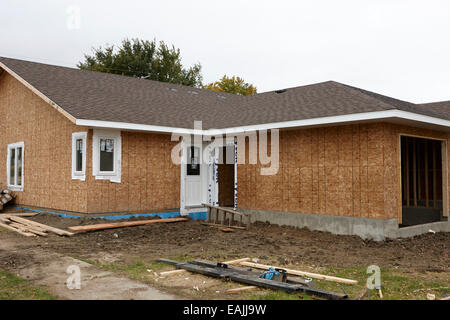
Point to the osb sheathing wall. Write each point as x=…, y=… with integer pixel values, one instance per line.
x=150, y=181
x=347, y=170
x=47, y=136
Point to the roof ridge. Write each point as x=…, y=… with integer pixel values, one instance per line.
x=290, y=88
x=107, y=74
x=372, y=95
x=435, y=102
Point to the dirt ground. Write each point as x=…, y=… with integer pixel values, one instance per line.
x=271, y=244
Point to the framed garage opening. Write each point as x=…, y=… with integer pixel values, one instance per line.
x=423, y=180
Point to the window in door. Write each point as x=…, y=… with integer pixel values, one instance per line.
x=193, y=159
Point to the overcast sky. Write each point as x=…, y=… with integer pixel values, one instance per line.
x=400, y=48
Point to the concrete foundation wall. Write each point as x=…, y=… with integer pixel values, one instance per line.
x=366, y=228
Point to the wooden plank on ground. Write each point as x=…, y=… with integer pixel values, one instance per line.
x=43, y=226
x=4, y=220
x=300, y=273
x=236, y=261
x=26, y=234
x=20, y=214
x=113, y=225
x=239, y=290
x=171, y=272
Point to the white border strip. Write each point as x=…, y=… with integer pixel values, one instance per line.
x=376, y=115
x=132, y=126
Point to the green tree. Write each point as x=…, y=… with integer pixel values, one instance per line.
x=233, y=85
x=143, y=59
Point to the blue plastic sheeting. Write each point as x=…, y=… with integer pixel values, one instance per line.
x=162, y=215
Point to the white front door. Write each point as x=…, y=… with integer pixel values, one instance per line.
x=198, y=178
x=193, y=178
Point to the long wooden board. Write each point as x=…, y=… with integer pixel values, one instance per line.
x=300, y=273
x=113, y=225
x=20, y=214
x=240, y=289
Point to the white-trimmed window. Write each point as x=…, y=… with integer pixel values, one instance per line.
x=107, y=155
x=14, y=166
x=79, y=155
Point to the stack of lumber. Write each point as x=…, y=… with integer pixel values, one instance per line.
x=6, y=196
x=29, y=228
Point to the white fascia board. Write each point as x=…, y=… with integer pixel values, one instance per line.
x=376, y=115
x=132, y=126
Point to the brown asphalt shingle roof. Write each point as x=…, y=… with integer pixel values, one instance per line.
x=100, y=96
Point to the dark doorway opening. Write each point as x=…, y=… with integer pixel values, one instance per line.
x=226, y=177
x=421, y=165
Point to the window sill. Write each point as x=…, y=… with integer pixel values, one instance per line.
x=15, y=188
x=110, y=178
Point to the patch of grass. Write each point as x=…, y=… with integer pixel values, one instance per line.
x=136, y=270
x=278, y=295
x=13, y=287
x=84, y=260
x=395, y=285
x=181, y=258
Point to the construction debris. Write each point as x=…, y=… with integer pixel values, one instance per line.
x=103, y=226
x=26, y=234
x=6, y=196
x=300, y=273
x=236, y=261
x=29, y=228
x=213, y=213
x=240, y=275
x=178, y=271
x=240, y=289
